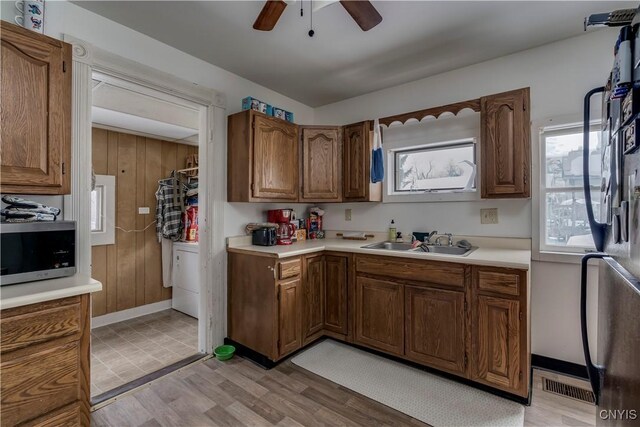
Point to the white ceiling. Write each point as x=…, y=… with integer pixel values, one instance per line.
x=416, y=39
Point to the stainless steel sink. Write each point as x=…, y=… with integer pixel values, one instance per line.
x=434, y=249
x=448, y=250
x=390, y=246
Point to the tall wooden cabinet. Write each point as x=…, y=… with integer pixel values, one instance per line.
x=500, y=355
x=35, y=112
x=262, y=158
x=321, y=164
x=505, y=145
x=356, y=175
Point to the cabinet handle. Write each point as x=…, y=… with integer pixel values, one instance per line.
x=273, y=270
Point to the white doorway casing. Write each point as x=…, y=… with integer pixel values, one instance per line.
x=212, y=152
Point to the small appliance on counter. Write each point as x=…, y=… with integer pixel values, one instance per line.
x=264, y=236
x=286, y=230
x=41, y=250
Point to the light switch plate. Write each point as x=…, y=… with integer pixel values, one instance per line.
x=489, y=216
x=347, y=214
x=144, y=211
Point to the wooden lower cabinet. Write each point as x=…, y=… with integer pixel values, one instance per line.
x=289, y=328
x=336, y=294
x=313, y=282
x=379, y=306
x=45, y=363
x=435, y=328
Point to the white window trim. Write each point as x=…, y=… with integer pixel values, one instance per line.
x=106, y=236
x=389, y=194
x=539, y=251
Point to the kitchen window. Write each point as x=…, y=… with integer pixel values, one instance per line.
x=439, y=167
x=564, y=226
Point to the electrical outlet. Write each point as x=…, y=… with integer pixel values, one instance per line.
x=489, y=216
x=144, y=211
x=347, y=214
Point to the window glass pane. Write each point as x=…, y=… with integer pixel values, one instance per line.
x=96, y=208
x=564, y=160
x=437, y=168
x=566, y=217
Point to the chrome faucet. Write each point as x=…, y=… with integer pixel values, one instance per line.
x=449, y=236
x=428, y=237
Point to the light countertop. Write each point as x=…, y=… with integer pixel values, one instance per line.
x=502, y=252
x=46, y=290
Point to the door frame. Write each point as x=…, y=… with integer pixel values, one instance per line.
x=88, y=59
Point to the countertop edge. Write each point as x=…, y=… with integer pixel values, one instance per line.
x=90, y=286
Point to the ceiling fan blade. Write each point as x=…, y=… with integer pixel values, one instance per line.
x=363, y=12
x=269, y=15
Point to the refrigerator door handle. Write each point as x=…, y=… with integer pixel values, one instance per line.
x=598, y=229
x=595, y=372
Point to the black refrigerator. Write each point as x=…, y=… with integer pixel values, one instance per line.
x=614, y=216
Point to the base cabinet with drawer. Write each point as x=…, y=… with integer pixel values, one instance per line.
x=45, y=363
x=469, y=321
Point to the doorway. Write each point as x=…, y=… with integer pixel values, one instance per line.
x=145, y=235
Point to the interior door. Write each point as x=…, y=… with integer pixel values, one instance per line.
x=275, y=159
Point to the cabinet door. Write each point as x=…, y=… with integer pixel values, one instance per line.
x=335, y=300
x=275, y=159
x=380, y=315
x=496, y=358
x=289, y=324
x=313, y=292
x=35, y=110
x=321, y=164
x=435, y=327
x=356, y=162
x=505, y=145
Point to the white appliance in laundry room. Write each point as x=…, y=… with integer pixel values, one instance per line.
x=186, y=278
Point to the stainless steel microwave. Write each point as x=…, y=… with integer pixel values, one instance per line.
x=37, y=251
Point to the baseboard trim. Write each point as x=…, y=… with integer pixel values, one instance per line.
x=559, y=366
x=130, y=313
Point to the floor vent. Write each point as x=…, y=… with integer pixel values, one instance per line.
x=570, y=391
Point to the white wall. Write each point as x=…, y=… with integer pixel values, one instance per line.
x=62, y=17
x=559, y=75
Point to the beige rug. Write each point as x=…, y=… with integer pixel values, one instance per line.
x=429, y=398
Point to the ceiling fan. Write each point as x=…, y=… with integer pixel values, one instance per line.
x=362, y=11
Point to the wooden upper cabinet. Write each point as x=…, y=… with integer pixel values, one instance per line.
x=435, y=327
x=275, y=159
x=321, y=164
x=262, y=158
x=505, y=145
x=35, y=111
x=356, y=175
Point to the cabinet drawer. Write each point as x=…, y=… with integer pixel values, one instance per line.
x=38, y=323
x=41, y=382
x=290, y=268
x=420, y=271
x=503, y=282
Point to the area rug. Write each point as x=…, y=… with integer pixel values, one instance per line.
x=429, y=398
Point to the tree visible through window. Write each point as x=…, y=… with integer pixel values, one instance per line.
x=565, y=225
x=439, y=167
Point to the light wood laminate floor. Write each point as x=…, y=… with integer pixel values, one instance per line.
x=124, y=351
x=237, y=392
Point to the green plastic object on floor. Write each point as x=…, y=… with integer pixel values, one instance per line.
x=224, y=352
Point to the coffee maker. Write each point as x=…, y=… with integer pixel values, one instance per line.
x=286, y=229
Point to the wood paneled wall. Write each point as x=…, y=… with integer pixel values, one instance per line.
x=131, y=269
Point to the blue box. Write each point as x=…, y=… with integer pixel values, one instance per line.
x=279, y=113
x=288, y=116
x=250, y=103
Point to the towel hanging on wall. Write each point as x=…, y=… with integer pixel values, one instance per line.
x=377, y=158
